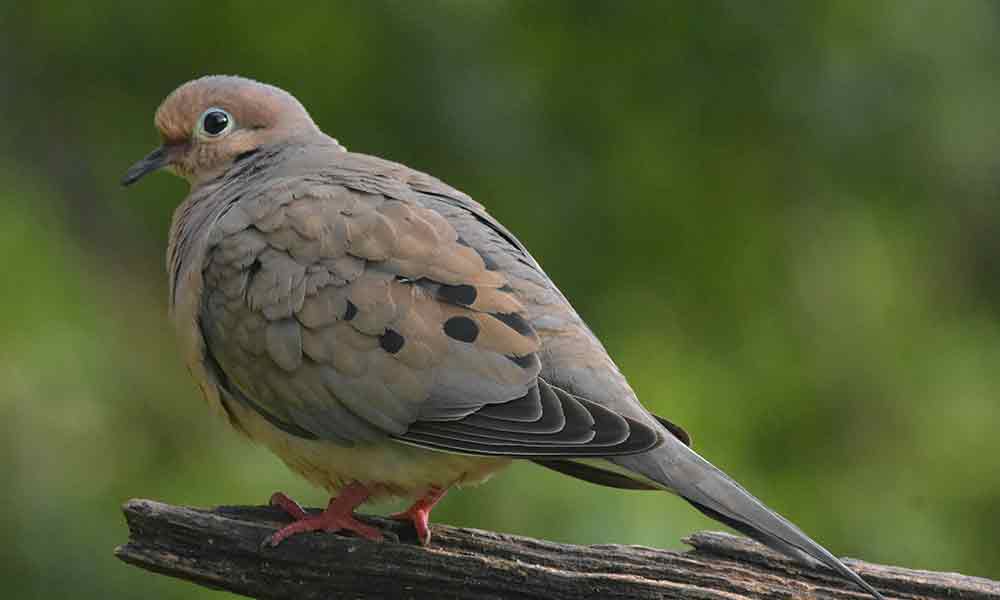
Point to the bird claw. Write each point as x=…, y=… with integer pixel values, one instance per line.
x=419, y=514
x=420, y=519
x=338, y=517
x=325, y=522
x=291, y=507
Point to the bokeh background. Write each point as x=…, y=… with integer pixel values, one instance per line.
x=781, y=218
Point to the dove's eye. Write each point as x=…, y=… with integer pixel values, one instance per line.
x=215, y=122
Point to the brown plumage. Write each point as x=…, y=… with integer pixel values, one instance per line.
x=384, y=335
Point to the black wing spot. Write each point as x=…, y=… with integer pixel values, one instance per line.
x=464, y=295
x=462, y=329
x=254, y=268
x=515, y=322
x=488, y=262
x=351, y=311
x=391, y=341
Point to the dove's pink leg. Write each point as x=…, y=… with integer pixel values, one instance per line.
x=420, y=513
x=338, y=516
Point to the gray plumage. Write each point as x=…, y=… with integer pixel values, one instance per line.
x=365, y=321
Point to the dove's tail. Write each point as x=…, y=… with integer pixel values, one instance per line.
x=681, y=470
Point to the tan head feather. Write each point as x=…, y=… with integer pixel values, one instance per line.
x=207, y=123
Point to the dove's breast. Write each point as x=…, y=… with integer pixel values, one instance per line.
x=186, y=250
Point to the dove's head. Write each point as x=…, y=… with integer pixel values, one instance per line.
x=209, y=123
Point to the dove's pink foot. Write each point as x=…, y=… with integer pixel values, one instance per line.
x=420, y=513
x=338, y=516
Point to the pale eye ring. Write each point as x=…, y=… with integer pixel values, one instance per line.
x=215, y=122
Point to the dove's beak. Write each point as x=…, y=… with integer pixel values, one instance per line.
x=155, y=160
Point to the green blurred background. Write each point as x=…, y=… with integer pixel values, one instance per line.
x=782, y=219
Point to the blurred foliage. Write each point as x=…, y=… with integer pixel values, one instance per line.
x=781, y=218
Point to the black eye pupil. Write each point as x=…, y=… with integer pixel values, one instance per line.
x=215, y=122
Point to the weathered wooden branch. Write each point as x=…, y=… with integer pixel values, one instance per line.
x=221, y=548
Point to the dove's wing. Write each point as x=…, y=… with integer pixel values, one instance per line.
x=344, y=308
x=575, y=360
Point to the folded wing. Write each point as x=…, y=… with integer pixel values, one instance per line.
x=349, y=313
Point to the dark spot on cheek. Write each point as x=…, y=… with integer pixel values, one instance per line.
x=464, y=295
x=351, y=311
x=462, y=329
x=515, y=322
x=391, y=341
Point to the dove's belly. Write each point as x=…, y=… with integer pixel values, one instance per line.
x=386, y=469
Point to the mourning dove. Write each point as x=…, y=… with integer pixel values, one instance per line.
x=385, y=336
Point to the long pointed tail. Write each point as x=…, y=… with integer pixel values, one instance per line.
x=681, y=470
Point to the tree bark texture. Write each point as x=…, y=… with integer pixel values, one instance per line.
x=221, y=548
